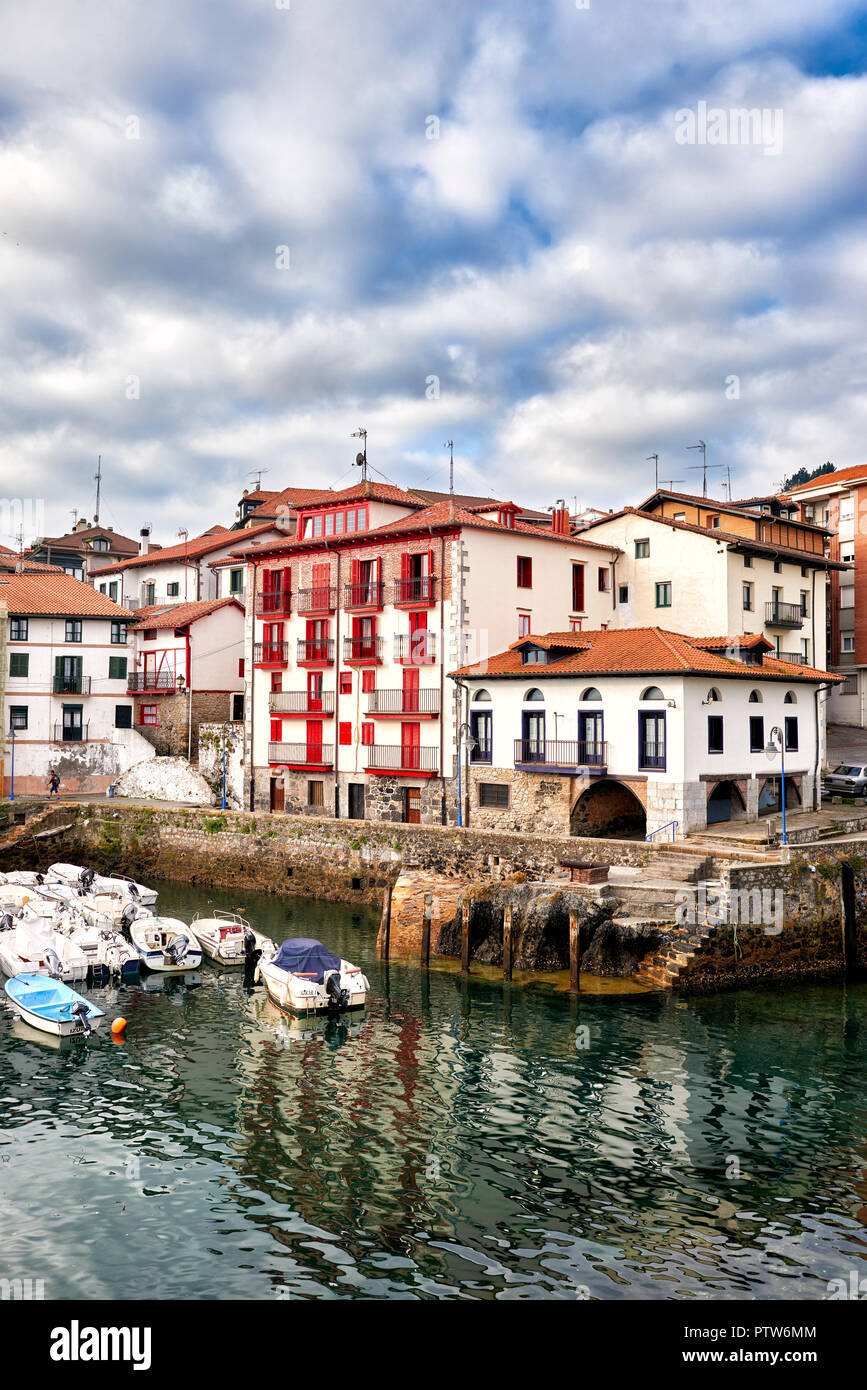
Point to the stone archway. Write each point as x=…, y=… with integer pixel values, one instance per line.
x=609, y=809
x=769, y=795
x=725, y=803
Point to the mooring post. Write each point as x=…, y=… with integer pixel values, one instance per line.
x=574, y=985
x=425, y=930
x=507, y=942
x=847, y=896
x=465, y=939
x=385, y=926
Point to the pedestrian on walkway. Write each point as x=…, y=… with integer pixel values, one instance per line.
x=53, y=784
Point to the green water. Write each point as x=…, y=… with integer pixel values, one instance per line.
x=455, y=1141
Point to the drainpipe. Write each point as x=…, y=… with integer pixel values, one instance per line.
x=336, y=685
x=443, y=801
x=817, y=792
x=251, y=598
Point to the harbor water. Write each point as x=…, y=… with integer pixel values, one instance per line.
x=458, y=1139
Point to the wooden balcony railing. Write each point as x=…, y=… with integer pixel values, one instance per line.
x=384, y=757
x=572, y=755
x=403, y=702
x=302, y=754
x=290, y=702
x=270, y=653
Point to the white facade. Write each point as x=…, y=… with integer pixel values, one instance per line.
x=174, y=575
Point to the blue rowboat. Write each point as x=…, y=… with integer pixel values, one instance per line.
x=52, y=1007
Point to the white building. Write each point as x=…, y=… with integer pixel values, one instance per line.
x=354, y=624
x=67, y=707
x=624, y=732
x=181, y=573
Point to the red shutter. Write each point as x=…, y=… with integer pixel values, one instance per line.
x=345, y=735
x=368, y=681
x=367, y=734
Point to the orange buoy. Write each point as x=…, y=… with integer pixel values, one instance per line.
x=118, y=1025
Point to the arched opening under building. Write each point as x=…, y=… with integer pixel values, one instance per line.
x=725, y=803
x=609, y=809
x=769, y=796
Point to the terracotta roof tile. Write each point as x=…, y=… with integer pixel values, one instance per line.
x=730, y=537
x=841, y=475
x=47, y=594
x=193, y=549
x=172, y=615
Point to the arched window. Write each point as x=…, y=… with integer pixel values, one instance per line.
x=755, y=697
x=791, y=698
x=482, y=697
x=652, y=692
x=533, y=694
x=713, y=695
x=591, y=693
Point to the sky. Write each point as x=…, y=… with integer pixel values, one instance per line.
x=233, y=232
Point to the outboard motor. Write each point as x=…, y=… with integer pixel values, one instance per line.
x=251, y=956
x=85, y=880
x=6, y=922
x=52, y=960
x=40, y=879
x=128, y=915
x=178, y=948
x=80, y=1012
x=338, y=998
x=133, y=890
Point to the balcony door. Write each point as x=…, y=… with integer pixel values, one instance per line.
x=591, y=735
x=410, y=742
x=321, y=594
x=314, y=692
x=533, y=735
x=67, y=675
x=314, y=740
x=410, y=692
x=418, y=636
x=73, y=727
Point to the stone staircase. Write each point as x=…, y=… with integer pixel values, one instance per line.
x=680, y=945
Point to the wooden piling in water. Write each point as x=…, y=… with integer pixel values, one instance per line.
x=507, y=942
x=385, y=926
x=574, y=985
x=425, y=930
x=465, y=939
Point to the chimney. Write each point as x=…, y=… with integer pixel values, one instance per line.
x=560, y=521
x=144, y=544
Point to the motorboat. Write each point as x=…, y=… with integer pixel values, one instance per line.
x=30, y=944
x=92, y=882
x=228, y=939
x=52, y=1007
x=108, y=952
x=165, y=943
x=306, y=978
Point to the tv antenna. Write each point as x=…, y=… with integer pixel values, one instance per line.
x=98, y=477
x=450, y=445
x=257, y=474
x=655, y=458
x=704, y=465
x=361, y=459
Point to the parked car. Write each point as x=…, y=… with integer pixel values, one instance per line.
x=848, y=778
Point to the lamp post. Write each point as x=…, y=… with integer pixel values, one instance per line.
x=776, y=744
x=465, y=740
x=12, y=769
x=225, y=735
x=184, y=689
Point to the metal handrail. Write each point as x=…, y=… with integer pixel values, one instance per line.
x=672, y=824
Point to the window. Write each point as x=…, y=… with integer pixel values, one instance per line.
x=714, y=733
x=482, y=731
x=118, y=634
x=18, y=629
x=367, y=734
x=803, y=571
x=623, y=593
x=848, y=645
x=591, y=694
x=713, y=522
x=236, y=584
x=100, y=543
x=345, y=733
x=346, y=682
x=237, y=707
x=778, y=568
x=240, y=668
x=757, y=734
x=494, y=794
x=663, y=594
x=19, y=663
x=847, y=508
x=148, y=715
x=18, y=716
x=112, y=590
x=315, y=793
x=680, y=516
x=748, y=598
x=482, y=697
x=525, y=572
x=123, y=716
x=748, y=562
x=604, y=579
x=577, y=588
x=72, y=727
x=652, y=692
x=117, y=668
x=173, y=590
x=73, y=629
x=755, y=697
x=651, y=739
x=575, y=624
x=805, y=599
x=149, y=634
x=642, y=549
x=790, y=698
x=534, y=656
x=523, y=624
x=713, y=695
x=368, y=682
x=849, y=686
x=103, y=588
x=533, y=696
x=791, y=725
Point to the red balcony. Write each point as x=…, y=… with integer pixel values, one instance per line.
x=276, y=603
x=317, y=651
x=319, y=600
x=270, y=654
x=300, y=704
x=363, y=595
x=362, y=651
x=301, y=755
x=404, y=704
x=402, y=760
x=415, y=648
x=419, y=592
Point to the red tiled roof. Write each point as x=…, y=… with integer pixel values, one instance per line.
x=767, y=547
x=625, y=651
x=53, y=592
x=733, y=508
x=841, y=475
x=193, y=550
x=164, y=615
x=744, y=639
x=374, y=492
x=75, y=540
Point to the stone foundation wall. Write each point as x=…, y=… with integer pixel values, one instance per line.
x=384, y=797
x=169, y=738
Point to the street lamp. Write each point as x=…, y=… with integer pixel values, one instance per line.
x=465, y=740
x=225, y=735
x=775, y=745
x=12, y=769
x=184, y=689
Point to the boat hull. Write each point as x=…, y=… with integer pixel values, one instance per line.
x=284, y=992
x=47, y=1006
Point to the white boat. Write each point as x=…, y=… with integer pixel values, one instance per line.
x=31, y=945
x=228, y=939
x=52, y=1006
x=165, y=943
x=108, y=952
x=92, y=882
x=306, y=978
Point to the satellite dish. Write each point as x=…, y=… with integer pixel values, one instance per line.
x=359, y=459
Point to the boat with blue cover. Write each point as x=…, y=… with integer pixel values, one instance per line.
x=52, y=1007
x=306, y=978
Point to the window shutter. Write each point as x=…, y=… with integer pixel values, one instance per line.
x=345, y=733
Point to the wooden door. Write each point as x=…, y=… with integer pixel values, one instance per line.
x=410, y=737
x=410, y=692
x=412, y=810
x=278, y=794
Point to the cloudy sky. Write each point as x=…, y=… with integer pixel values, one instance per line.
x=234, y=231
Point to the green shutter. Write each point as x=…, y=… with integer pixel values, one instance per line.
x=117, y=668
x=19, y=663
